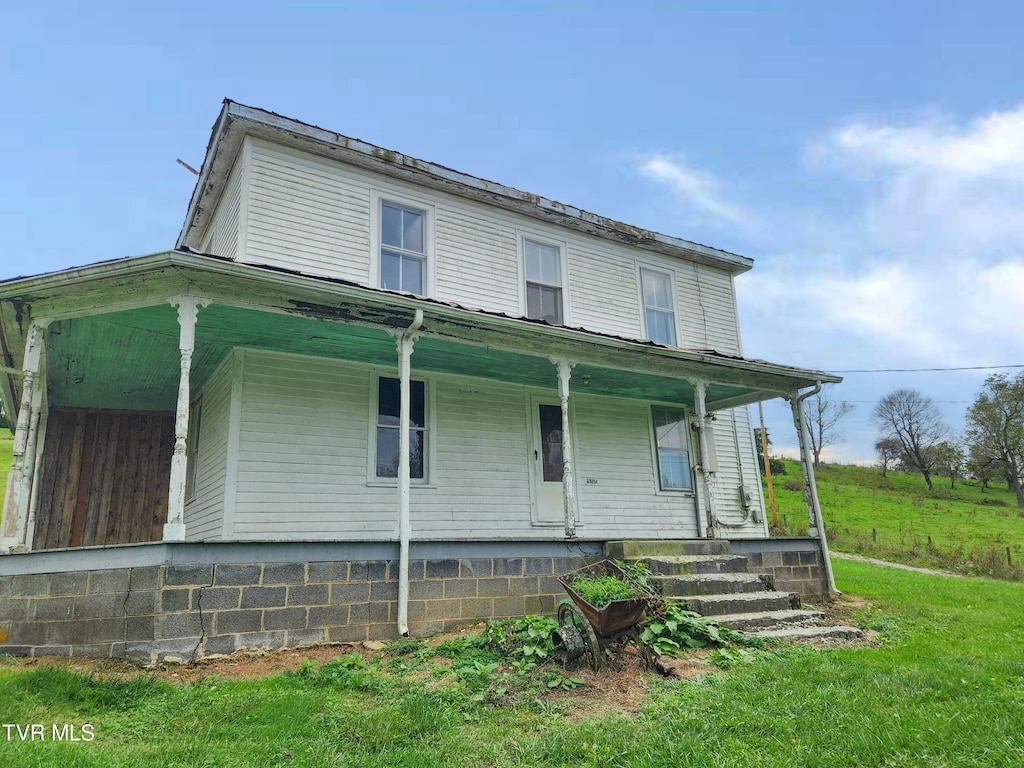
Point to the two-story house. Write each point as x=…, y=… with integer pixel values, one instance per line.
x=366, y=395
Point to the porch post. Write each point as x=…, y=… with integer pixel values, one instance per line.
x=816, y=524
x=404, y=341
x=188, y=311
x=707, y=472
x=568, y=483
x=19, y=480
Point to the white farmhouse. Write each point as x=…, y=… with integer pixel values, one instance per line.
x=366, y=395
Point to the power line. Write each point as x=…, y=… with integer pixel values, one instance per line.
x=924, y=370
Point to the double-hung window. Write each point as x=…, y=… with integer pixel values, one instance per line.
x=388, y=425
x=543, y=267
x=403, y=248
x=658, y=312
x=670, y=437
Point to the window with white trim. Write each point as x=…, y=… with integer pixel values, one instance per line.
x=673, y=451
x=542, y=264
x=403, y=248
x=389, y=423
x=659, y=315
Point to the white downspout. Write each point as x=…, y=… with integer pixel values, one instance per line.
x=810, y=486
x=405, y=342
x=706, y=471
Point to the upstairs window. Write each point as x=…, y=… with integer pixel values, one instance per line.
x=659, y=315
x=403, y=254
x=543, y=267
x=670, y=438
x=388, y=425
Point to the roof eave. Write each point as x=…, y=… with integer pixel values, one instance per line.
x=238, y=120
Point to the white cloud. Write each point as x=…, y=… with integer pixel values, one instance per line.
x=699, y=189
x=936, y=187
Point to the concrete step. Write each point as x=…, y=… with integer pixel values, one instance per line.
x=698, y=584
x=637, y=549
x=800, y=634
x=750, y=622
x=670, y=565
x=743, y=602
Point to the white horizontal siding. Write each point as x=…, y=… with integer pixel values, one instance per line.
x=223, y=236
x=313, y=215
x=304, y=438
x=616, y=474
x=306, y=214
x=204, y=513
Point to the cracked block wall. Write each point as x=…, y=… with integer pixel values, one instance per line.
x=191, y=611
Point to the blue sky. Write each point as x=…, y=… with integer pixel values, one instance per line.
x=868, y=155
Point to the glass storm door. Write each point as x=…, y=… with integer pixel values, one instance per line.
x=547, y=459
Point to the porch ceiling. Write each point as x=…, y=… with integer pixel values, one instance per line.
x=108, y=351
x=129, y=360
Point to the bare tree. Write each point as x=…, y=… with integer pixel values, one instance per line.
x=995, y=430
x=823, y=415
x=910, y=417
x=889, y=452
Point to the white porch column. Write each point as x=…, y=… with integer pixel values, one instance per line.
x=404, y=341
x=14, y=533
x=188, y=311
x=815, y=522
x=568, y=483
x=707, y=472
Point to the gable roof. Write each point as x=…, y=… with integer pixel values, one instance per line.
x=236, y=121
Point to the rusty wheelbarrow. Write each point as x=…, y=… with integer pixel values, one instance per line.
x=585, y=631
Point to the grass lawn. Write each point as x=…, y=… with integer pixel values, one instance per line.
x=898, y=518
x=944, y=687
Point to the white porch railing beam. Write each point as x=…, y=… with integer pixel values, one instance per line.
x=188, y=312
x=568, y=481
x=14, y=534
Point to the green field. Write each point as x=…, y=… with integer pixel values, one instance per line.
x=943, y=686
x=6, y=449
x=897, y=518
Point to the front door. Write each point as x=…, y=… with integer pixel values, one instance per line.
x=547, y=460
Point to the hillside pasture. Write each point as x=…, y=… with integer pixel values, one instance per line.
x=896, y=517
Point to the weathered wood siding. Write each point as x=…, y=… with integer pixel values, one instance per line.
x=223, y=238
x=104, y=478
x=204, y=512
x=303, y=460
x=313, y=215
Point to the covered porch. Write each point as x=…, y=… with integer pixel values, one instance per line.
x=103, y=365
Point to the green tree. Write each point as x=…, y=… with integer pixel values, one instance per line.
x=950, y=460
x=995, y=429
x=910, y=417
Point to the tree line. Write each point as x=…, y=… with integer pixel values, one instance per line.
x=913, y=436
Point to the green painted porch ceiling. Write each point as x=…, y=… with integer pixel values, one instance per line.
x=129, y=360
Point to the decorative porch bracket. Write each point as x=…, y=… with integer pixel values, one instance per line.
x=14, y=535
x=404, y=342
x=815, y=522
x=568, y=483
x=188, y=311
x=707, y=472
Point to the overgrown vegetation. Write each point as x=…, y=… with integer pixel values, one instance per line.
x=942, y=686
x=966, y=529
